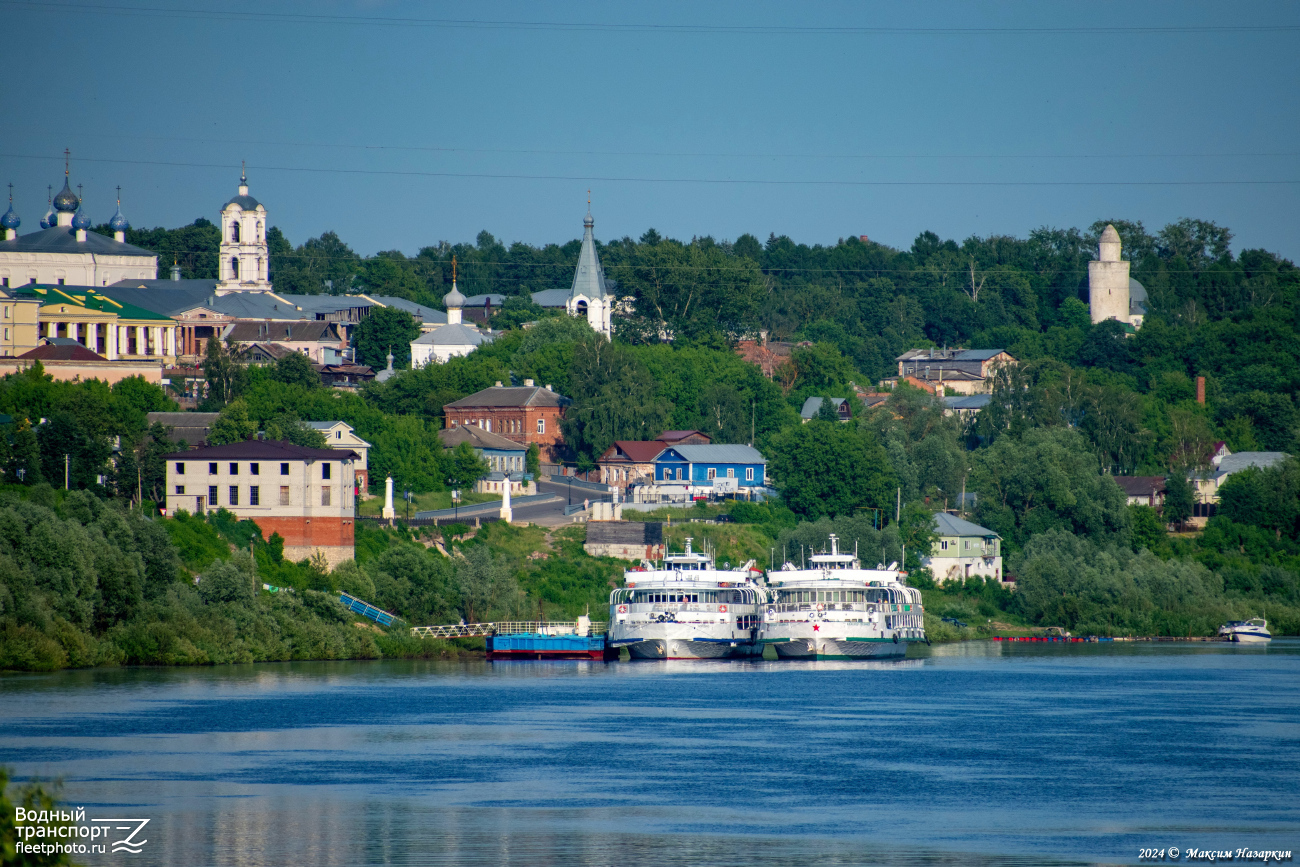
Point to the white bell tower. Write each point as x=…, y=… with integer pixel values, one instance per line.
x=244, y=263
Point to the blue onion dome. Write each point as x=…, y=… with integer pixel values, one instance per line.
x=453, y=298
x=66, y=201
x=81, y=221
x=49, y=221
x=119, y=223
x=10, y=219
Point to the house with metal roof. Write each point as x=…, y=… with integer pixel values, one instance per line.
x=526, y=414
x=713, y=469
x=962, y=371
x=341, y=436
x=813, y=405
x=963, y=550
x=114, y=329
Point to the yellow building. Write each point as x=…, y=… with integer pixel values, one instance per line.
x=19, y=324
x=113, y=329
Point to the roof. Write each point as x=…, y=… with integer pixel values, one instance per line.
x=246, y=202
x=813, y=405
x=274, y=350
x=717, y=453
x=1241, y=460
x=588, y=277
x=551, y=298
x=296, y=331
x=636, y=451
x=419, y=311
x=480, y=300
x=672, y=436
x=951, y=525
x=452, y=335
x=478, y=438
x=63, y=239
x=508, y=396
x=86, y=297
x=968, y=401
x=192, y=427
x=62, y=352
x=1140, y=486
x=978, y=354
x=271, y=450
x=329, y=425
x=166, y=297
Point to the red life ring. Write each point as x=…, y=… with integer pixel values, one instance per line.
x=722, y=609
x=622, y=609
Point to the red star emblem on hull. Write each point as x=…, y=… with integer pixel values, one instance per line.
x=816, y=627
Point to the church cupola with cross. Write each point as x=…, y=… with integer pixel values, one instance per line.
x=590, y=297
x=244, y=262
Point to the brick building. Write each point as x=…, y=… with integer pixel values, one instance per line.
x=525, y=414
x=305, y=495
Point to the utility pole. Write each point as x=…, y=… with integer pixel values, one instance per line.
x=962, y=510
x=66, y=463
x=753, y=415
x=898, y=509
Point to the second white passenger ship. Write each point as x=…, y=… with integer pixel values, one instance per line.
x=686, y=608
x=835, y=609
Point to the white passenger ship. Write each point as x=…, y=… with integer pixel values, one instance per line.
x=686, y=608
x=835, y=609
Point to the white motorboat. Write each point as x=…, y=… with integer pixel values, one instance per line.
x=683, y=607
x=1253, y=631
x=835, y=609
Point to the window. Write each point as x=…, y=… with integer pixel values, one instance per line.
x=6, y=306
x=284, y=469
x=234, y=233
x=212, y=494
x=234, y=469
x=325, y=495
x=541, y=425
x=180, y=469
x=712, y=473
x=487, y=424
x=253, y=469
x=679, y=474
x=254, y=496
x=731, y=473
x=943, y=546
x=212, y=469
x=284, y=495
x=6, y=333
x=180, y=489
x=325, y=470
x=668, y=474
x=234, y=495
x=338, y=434
x=63, y=281
x=234, y=267
x=749, y=474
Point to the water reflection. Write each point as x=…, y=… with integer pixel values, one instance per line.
x=978, y=753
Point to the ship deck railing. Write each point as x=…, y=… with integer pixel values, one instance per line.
x=869, y=607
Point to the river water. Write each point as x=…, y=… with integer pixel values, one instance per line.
x=984, y=753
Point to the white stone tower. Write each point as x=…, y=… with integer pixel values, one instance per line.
x=1108, y=286
x=245, y=261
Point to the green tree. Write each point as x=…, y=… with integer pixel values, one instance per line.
x=614, y=398
x=385, y=329
x=466, y=466
x=533, y=460
x=232, y=424
x=828, y=411
x=37, y=800
x=27, y=455
x=1180, y=499
x=830, y=469
x=1148, y=529
x=296, y=369
x=226, y=378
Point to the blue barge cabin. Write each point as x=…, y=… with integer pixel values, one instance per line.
x=580, y=640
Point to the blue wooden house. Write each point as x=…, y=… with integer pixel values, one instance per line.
x=702, y=466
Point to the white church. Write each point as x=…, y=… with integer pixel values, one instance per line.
x=591, y=296
x=1112, y=293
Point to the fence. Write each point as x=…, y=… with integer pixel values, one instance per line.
x=512, y=627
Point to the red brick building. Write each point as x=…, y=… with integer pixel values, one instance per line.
x=524, y=414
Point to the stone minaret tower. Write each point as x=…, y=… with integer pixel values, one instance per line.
x=1108, y=281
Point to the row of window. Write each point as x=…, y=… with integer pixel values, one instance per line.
x=971, y=544
x=254, y=469
x=234, y=233
x=254, y=495
x=510, y=425
x=873, y=594
x=712, y=473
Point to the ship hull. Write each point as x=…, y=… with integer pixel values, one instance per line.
x=676, y=648
x=840, y=648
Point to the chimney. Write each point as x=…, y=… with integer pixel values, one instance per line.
x=528, y=383
x=864, y=239
x=1200, y=390
x=498, y=383
x=548, y=387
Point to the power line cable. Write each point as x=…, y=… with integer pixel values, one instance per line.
x=611, y=27
x=649, y=180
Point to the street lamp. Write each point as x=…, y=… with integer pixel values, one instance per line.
x=407, y=495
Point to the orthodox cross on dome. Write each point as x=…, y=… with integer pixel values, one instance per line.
x=67, y=159
x=453, y=270
x=119, y=197
x=243, y=172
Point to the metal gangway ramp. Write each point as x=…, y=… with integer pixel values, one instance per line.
x=510, y=627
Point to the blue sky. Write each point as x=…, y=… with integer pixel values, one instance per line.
x=692, y=118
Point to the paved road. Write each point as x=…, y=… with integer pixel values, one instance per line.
x=552, y=514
